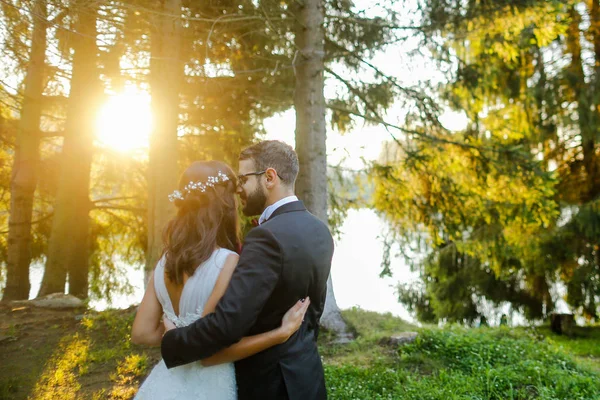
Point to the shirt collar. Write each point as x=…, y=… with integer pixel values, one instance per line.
x=271, y=209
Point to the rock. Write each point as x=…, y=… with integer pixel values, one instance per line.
x=400, y=339
x=5, y=338
x=562, y=324
x=344, y=338
x=54, y=300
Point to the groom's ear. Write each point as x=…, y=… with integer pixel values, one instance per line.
x=272, y=177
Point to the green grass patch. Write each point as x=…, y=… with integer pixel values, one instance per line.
x=371, y=325
x=370, y=329
x=113, y=353
x=460, y=363
x=8, y=387
x=60, y=377
x=95, y=359
x=584, y=344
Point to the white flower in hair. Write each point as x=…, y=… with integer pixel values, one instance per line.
x=175, y=196
x=211, y=181
x=222, y=177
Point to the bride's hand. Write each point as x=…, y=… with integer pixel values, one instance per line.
x=292, y=320
x=167, y=324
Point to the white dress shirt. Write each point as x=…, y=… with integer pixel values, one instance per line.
x=271, y=209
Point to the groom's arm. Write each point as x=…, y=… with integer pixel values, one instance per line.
x=252, y=283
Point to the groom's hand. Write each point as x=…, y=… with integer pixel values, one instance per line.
x=168, y=324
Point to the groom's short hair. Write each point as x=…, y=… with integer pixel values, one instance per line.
x=274, y=154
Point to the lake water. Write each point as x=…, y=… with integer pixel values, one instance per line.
x=355, y=271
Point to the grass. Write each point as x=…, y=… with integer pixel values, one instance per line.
x=113, y=353
x=461, y=363
x=102, y=345
x=370, y=329
x=584, y=344
x=94, y=359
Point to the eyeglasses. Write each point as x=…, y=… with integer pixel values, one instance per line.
x=243, y=178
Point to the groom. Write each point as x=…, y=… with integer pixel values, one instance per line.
x=287, y=257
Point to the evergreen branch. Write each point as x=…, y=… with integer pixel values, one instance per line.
x=59, y=17
x=114, y=199
x=37, y=221
x=55, y=24
x=9, y=86
x=368, y=106
x=122, y=208
x=117, y=217
x=422, y=135
x=408, y=91
x=378, y=119
x=47, y=134
x=404, y=130
x=378, y=22
x=229, y=18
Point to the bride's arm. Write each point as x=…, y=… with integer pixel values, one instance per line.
x=221, y=283
x=251, y=345
x=147, y=327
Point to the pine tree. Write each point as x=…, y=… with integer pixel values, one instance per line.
x=25, y=170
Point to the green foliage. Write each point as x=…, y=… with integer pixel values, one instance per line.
x=582, y=344
x=239, y=59
x=347, y=190
x=43, y=199
x=508, y=206
x=371, y=325
x=101, y=351
x=95, y=359
x=469, y=364
x=370, y=329
x=481, y=221
x=7, y=138
x=118, y=228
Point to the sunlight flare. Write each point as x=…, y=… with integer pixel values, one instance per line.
x=125, y=121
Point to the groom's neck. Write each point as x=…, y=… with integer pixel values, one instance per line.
x=279, y=195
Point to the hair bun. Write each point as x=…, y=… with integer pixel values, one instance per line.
x=178, y=203
x=195, y=200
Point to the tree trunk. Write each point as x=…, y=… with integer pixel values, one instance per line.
x=586, y=95
x=166, y=73
x=590, y=141
x=311, y=133
x=26, y=164
x=68, y=249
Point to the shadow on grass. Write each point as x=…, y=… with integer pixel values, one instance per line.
x=88, y=359
x=34, y=335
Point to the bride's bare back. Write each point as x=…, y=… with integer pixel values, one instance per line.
x=183, y=304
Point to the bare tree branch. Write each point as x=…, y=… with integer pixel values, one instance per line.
x=37, y=221
x=115, y=199
x=122, y=208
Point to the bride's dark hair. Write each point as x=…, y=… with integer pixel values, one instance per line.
x=204, y=220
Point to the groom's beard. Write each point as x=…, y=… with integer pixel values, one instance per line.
x=255, y=202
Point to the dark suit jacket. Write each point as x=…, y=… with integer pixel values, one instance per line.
x=286, y=258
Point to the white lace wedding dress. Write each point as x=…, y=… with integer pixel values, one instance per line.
x=191, y=381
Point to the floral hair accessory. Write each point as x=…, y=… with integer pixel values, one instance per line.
x=199, y=186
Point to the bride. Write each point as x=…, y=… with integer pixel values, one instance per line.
x=191, y=276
